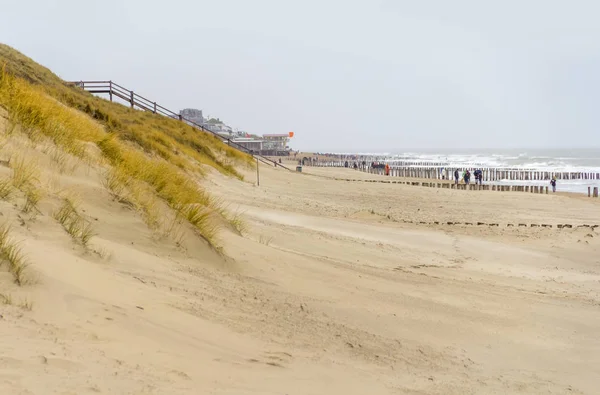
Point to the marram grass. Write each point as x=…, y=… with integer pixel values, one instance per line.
x=164, y=154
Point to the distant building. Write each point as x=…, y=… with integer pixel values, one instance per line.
x=193, y=115
x=276, y=142
x=250, y=143
x=220, y=128
x=269, y=144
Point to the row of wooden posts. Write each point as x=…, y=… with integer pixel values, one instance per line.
x=477, y=187
x=488, y=174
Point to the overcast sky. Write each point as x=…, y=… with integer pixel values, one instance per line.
x=344, y=75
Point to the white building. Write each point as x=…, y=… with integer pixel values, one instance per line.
x=249, y=143
x=276, y=142
x=220, y=128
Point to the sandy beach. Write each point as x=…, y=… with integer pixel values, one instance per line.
x=333, y=287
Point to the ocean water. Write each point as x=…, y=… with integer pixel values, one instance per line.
x=557, y=160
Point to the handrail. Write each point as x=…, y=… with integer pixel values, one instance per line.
x=112, y=88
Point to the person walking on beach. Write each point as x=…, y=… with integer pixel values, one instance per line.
x=387, y=169
x=456, y=176
x=553, y=183
x=467, y=177
x=478, y=177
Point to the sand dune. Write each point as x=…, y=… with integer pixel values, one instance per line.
x=329, y=291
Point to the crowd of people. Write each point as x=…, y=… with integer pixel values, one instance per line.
x=466, y=176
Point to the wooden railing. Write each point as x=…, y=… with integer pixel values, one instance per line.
x=115, y=90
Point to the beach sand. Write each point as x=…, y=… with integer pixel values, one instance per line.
x=335, y=287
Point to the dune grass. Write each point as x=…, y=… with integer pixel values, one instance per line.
x=171, y=226
x=12, y=256
x=178, y=189
x=178, y=143
x=33, y=195
x=134, y=193
x=26, y=172
x=148, y=154
x=266, y=240
x=6, y=188
x=79, y=228
x=7, y=299
x=60, y=158
x=237, y=222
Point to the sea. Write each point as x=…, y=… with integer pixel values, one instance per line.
x=557, y=160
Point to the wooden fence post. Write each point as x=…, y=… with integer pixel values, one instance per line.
x=131, y=98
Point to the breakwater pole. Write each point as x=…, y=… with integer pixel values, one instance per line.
x=445, y=172
x=537, y=189
x=438, y=172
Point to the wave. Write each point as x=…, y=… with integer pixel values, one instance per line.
x=553, y=160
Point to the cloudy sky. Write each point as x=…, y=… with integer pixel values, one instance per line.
x=344, y=75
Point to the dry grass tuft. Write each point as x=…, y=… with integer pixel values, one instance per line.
x=7, y=299
x=25, y=172
x=116, y=183
x=26, y=305
x=265, y=240
x=237, y=222
x=79, y=228
x=33, y=196
x=132, y=192
x=202, y=219
x=12, y=256
x=67, y=210
x=61, y=158
x=6, y=189
x=147, y=203
x=172, y=226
